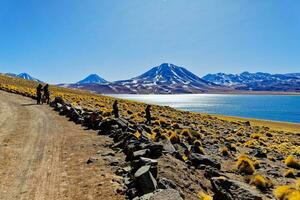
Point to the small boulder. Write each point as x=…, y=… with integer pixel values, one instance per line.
x=145, y=180
x=198, y=159
x=167, y=194
x=164, y=183
x=226, y=189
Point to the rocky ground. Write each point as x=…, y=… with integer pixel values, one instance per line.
x=184, y=155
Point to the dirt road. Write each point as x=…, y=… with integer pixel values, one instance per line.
x=43, y=155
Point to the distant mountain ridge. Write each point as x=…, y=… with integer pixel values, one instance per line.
x=166, y=78
x=258, y=81
x=23, y=76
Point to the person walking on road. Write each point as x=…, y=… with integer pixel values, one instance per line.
x=148, y=114
x=116, y=109
x=46, y=94
x=39, y=93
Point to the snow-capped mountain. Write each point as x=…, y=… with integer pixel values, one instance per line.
x=23, y=76
x=257, y=81
x=93, y=78
x=167, y=73
x=167, y=78
x=163, y=79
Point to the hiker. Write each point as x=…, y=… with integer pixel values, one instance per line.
x=148, y=114
x=39, y=93
x=116, y=109
x=46, y=96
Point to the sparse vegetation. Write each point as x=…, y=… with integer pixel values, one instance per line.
x=289, y=174
x=292, y=162
x=287, y=192
x=219, y=136
x=245, y=165
x=203, y=196
x=260, y=182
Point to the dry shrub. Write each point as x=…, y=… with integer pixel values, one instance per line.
x=173, y=137
x=260, y=182
x=289, y=174
x=287, y=192
x=197, y=143
x=175, y=125
x=292, y=162
x=271, y=158
x=156, y=123
x=245, y=165
x=269, y=134
x=186, y=133
x=137, y=134
x=163, y=122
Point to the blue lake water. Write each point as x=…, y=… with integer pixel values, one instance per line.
x=268, y=107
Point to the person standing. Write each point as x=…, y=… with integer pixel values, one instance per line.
x=39, y=93
x=46, y=94
x=116, y=109
x=148, y=114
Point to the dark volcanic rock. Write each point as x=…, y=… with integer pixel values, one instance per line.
x=198, y=159
x=226, y=189
x=167, y=194
x=145, y=180
x=164, y=183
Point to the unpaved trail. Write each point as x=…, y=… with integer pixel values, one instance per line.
x=43, y=155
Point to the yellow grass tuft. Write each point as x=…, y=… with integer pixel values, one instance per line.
x=245, y=165
x=260, y=182
x=156, y=123
x=289, y=174
x=186, y=133
x=298, y=183
x=256, y=136
x=287, y=192
x=203, y=196
x=197, y=143
x=137, y=134
x=292, y=162
x=175, y=125
x=173, y=137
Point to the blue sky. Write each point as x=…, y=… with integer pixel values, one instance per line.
x=64, y=40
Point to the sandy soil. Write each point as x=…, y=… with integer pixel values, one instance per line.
x=274, y=125
x=43, y=155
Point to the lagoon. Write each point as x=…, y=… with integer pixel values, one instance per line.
x=267, y=107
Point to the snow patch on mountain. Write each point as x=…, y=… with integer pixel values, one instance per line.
x=92, y=78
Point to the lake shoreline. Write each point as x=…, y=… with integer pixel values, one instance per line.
x=229, y=93
x=276, y=125
x=272, y=108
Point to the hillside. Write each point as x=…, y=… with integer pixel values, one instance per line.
x=191, y=154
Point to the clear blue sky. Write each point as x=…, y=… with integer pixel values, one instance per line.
x=64, y=40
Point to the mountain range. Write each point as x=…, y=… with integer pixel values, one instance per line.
x=257, y=81
x=168, y=78
x=23, y=76
x=163, y=79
